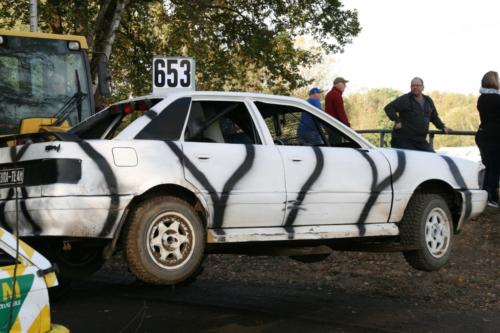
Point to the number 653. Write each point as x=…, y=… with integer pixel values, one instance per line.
x=172, y=72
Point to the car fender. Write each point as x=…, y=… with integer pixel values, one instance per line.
x=418, y=167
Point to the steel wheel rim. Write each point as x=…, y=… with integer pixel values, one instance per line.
x=437, y=232
x=170, y=240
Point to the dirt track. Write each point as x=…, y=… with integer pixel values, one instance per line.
x=348, y=292
x=471, y=280
x=116, y=304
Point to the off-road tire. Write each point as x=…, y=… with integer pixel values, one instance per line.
x=418, y=215
x=144, y=255
x=78, y=263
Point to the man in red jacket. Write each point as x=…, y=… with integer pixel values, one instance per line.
x=334, y=104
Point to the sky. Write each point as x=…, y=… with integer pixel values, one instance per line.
x=450, y=44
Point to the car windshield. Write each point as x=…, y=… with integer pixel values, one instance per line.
x=41, y=78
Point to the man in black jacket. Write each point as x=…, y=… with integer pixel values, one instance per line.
x=411, y=114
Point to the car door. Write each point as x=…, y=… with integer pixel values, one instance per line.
x=242, y=178
x=333, y=181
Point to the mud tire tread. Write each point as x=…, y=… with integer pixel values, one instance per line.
x=412, y=228
x=135, y=252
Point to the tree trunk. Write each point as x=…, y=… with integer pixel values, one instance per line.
x=98, y=24
x=109, y=19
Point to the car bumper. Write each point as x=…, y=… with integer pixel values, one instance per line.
x=71, y=216
x=473, y=203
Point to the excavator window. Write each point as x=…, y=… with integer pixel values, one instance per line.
x=44, y=79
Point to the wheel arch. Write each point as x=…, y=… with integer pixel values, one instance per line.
x=445, y=190
x=179, y=191
x=175, y=190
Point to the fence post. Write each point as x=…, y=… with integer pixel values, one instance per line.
x=431, y=140
x=382, y=134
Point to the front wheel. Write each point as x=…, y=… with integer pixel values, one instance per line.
x=427, y=230
x=164, y=241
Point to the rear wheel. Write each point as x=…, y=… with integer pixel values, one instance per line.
x=164, y=241
x=427, y=230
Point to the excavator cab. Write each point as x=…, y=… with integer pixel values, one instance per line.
x=45, y=82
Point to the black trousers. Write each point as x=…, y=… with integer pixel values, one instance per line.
x=490, y=156
x=403, y=142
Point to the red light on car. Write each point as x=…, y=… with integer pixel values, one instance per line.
x=128, y=108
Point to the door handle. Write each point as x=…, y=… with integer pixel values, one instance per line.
x=296, y=159
x=203, y=157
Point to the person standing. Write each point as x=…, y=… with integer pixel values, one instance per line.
x=412, y=113
x=307, y=131
x=334, y=104
x=488, y=134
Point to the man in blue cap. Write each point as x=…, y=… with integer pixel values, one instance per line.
x=307, y=131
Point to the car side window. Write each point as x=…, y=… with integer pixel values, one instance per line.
x=220, y=122
x=293, y=126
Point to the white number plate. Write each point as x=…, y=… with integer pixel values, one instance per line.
x=173, y=74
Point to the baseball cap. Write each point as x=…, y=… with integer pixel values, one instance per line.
x=339, y=80
x=315, y=90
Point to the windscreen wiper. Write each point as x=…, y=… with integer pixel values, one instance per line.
x=67, y=108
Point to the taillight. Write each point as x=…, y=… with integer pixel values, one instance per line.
x=128, y=108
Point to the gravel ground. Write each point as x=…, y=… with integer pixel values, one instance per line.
x=471, y=280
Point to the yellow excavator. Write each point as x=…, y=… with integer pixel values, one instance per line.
x=45, y=82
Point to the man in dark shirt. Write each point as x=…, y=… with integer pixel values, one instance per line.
x=334, y=104
x=411, y=114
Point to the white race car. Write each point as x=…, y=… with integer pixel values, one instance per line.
x=170, y=178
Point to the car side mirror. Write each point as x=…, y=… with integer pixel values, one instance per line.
x=104, y=79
